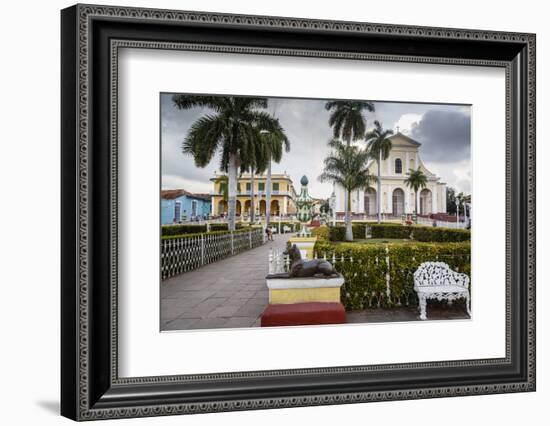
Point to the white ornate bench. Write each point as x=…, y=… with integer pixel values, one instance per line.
x=435, y=280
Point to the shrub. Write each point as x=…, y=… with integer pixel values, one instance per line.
x=224, y=226
x=365, y=266
x=419, y=233
x=195, y=229
x=390, y=230
x=424, y=233
x=198, y=234
x=338, y=233
x=168, y=230
x=321, y=232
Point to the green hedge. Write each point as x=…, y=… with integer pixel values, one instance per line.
x=321, y=232
x=434, y=234
x=197, y=234
x=195, y=229
x=168, y=230
x=398, y=231
x=390, y=230
x=338, y=233
x=364, y=268
x=224, y=226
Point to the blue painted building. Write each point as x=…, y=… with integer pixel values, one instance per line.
x=178, y=206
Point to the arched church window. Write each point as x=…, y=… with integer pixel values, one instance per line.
x=398, y=166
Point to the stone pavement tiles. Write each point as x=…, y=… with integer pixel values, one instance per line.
x=230, y=293
x=435, y=311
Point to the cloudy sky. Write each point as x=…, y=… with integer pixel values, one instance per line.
x=442, y=129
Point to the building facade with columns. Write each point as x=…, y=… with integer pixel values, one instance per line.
x=396, y=198
x=283, y=195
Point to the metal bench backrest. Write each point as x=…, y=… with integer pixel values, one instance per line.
x=432, y=274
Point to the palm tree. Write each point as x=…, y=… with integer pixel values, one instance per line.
x=274, y=141
x=348, y=122
x=231, y=129
x=379, y=147
x=347, y=167
x=347, y=119
x=416, y=180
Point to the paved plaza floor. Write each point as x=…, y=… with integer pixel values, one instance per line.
x=230, y=293
x=440, y=311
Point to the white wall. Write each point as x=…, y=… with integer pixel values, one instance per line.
x=29, y=302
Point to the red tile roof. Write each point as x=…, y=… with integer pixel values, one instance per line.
x=170, y=194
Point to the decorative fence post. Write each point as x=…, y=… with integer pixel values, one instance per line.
x=388, y=273
x=202, y=249
x=250, y=238
x=270, y=260
x=232, y=243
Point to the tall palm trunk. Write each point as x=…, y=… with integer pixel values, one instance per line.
x=232, y=191
x=347, y=202
x=416, y=202
x=349, y=230
x=268, y=194
x=252, y=208
x=379, y=187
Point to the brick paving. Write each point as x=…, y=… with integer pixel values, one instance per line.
x=230, y=293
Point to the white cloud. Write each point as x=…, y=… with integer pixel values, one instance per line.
x=179, y=182
x=457, y=175
x=406, y=122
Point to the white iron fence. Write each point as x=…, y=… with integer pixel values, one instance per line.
x=383, y=279
x=185, y=253
x=442, y=224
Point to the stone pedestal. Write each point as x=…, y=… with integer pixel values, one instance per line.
x=300, y=290
x=305, y=245
x=312, y=313
x=303, y=301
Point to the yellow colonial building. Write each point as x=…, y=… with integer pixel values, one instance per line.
x=283, y=195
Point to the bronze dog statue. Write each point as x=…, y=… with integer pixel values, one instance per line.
x=300, y=268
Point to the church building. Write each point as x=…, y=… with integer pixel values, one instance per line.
x=397, y=199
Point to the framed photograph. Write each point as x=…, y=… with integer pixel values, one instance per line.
x=263, y=212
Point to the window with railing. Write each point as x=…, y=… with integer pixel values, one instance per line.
x=275, y=186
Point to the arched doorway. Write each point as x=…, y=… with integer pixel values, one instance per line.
x=274, y=209
x=262, y=207
x=398, y=202
x=425, y=202
x=247, y=208
x=370, y=202
x=238, y=208
x=222, y=207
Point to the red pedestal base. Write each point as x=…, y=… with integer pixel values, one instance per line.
x=313, y=313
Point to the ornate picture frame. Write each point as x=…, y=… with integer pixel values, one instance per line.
x=91, y=37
